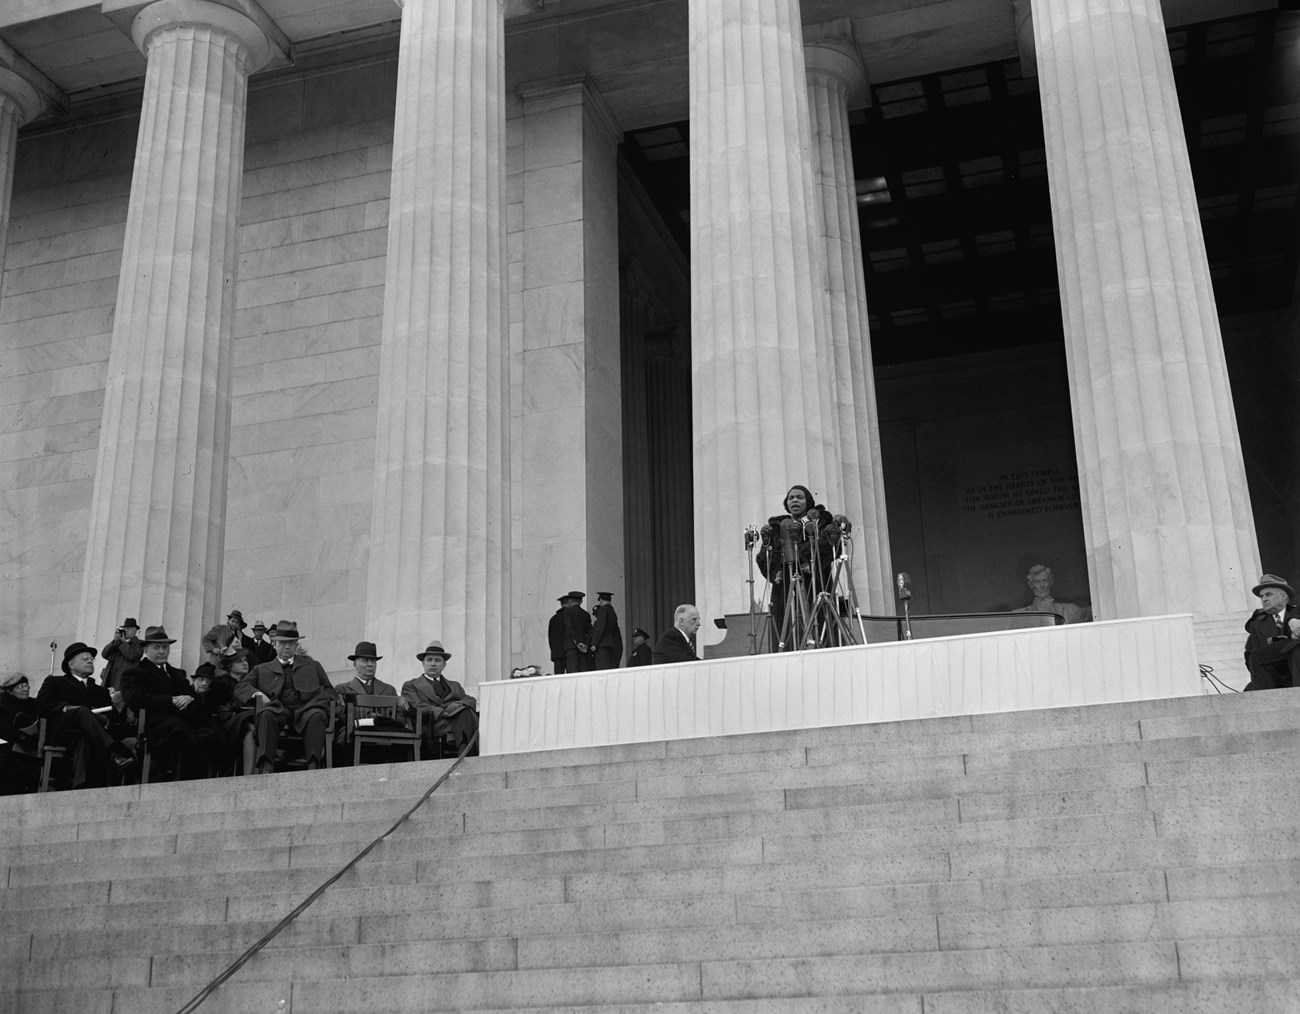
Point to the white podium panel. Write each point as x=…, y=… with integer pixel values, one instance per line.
x=1053, y=667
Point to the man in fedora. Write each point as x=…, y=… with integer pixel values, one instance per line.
x=86, y=716
x=292, y=689
x=262, y=649
x=577, y=635
x=180, y=732
x=235, y=620
x=1272, y=654
x=606, y=638
x=123, y=652
x=555, y=636
x=365, y=663
x=447, y=711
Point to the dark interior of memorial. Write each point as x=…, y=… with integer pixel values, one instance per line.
x=959, y=263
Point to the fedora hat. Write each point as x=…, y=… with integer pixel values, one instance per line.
x=157, y=635
x=236, y=614
x=365, y=649
x=286, y=630
x=130, y=622
x=75, y=649
x=1273, y=581
x=435, y=648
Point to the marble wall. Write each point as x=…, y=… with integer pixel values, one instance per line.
x=310, y=296
x=310, y=300
x=56, y=320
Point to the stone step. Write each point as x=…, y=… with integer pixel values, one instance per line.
x=915, y=825
x=1262, y=996
x=1243, y=730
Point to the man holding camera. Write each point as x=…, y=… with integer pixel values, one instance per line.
x=122, y=653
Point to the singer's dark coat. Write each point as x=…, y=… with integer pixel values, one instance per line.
x=770, y=563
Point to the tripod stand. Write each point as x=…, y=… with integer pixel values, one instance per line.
x=817, y=599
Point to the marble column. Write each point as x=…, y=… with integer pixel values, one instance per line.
x=440, y=528
x=1167, y=517
x=762, y=371
x=568, y=356
x=836, y=80
x=19, y=102
x=157, y=516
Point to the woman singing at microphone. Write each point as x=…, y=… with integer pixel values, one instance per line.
x=791, y=543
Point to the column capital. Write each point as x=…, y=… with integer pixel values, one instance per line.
x=19, y=90
x=829, y=49
x=164, y=14
x=569, y=90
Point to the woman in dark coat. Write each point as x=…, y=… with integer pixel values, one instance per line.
x=20, y=728
x=216, y=695
x=808, y=535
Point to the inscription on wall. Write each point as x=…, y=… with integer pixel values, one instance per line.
x=1022, y=494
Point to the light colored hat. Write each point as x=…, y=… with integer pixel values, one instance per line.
x=435, y=648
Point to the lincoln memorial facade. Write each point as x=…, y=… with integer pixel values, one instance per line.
x=401, y=319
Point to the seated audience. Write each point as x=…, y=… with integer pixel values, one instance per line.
x=216, y=698
x=1274, y=637
x=448, y=712
x=180, y=733
x=20, y=768
x=70, y=701
x=294, y=691
x=678, y=642
x=365, y=663
x=1040, y=580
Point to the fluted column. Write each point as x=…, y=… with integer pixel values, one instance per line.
x=835, y=79
x=19, y=102
x=439, y=537
x=1167, y=517
x=157, y=517
x=762, y=371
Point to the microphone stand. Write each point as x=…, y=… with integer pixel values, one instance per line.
x=54, y=646
x=751, y=536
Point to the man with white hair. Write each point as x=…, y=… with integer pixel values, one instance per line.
x=1274, y=636
x=678, y=641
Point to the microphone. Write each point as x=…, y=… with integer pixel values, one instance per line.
x=904, y=584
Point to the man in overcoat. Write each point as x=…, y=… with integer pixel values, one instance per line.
x=555, y=636
x=1273, y=641
x=678, y=642
x=606, y=638
x=85, y=716
x=447, y=711
x=178, y=730
x=577, y=635
x=364, y=682
x=292, y=690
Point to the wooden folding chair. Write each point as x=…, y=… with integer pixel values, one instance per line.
x=48, y=753
x=365, y=707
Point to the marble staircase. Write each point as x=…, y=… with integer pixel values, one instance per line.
x=1135, y=857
